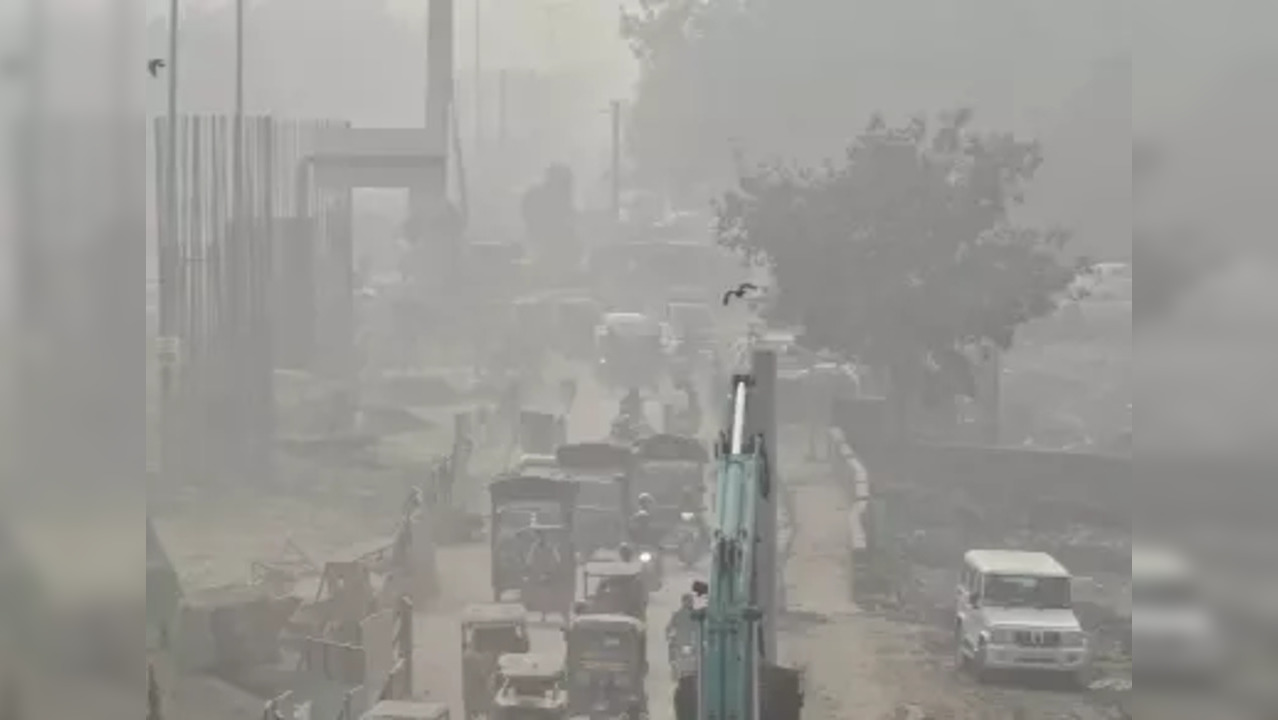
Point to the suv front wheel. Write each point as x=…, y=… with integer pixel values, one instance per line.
x=973, y=664
x=961, y=661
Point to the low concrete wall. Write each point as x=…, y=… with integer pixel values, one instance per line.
x=865, y=553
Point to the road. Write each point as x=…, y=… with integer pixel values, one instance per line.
x=857, y=666
x=464, y=574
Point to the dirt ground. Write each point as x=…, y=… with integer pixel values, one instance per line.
x=859, y=665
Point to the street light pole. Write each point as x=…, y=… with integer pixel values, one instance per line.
x=616, y=160
x=239, y=104
x=167, y=254
x=479, y=79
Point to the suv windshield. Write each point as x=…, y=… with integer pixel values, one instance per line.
x=1046, y=593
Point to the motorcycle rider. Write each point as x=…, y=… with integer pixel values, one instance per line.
x=625, y=427
x=641, y=530
x=690, y=502
x=544, y=559
x=631, y=405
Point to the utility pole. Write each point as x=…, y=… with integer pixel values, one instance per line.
x=240, y=272
x=238, y=129
x=167, y=255
x=439, y=88
x=616, y=161
x=478, y=120
x=501, y=109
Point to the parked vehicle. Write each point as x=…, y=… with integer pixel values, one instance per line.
x=1014, y=612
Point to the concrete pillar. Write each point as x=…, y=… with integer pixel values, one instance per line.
x=761, y=419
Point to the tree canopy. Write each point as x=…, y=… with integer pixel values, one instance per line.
x=902, y=254
x=796, y=78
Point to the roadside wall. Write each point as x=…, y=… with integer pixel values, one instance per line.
x=863, y=548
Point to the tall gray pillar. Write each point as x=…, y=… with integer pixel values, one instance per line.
x=761, y=418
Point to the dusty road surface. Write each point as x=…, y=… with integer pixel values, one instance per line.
x=863, y=667
x=465, y=579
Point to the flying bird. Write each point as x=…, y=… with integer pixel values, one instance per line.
x=739, y=293
x=155, y=65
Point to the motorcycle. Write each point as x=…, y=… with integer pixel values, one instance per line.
x=651, y=562
x=689, y=541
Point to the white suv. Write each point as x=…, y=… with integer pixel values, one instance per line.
x=1014, y=612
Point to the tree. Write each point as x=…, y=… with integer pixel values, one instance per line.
x=903, y=254
x=792, y=77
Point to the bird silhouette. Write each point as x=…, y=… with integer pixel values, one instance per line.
x=739, y=293
x=155, y=65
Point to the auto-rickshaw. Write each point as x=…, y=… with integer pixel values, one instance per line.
x=601, y=472
x=538, y=464
x=488, y=631
x=668, y=467
x=531, y=513
x=407, y=710
x=541, y=432
x=615, y=586
x=607, y=665
x=532, y=688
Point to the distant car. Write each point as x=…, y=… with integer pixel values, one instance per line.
x=1015, y=612
x=633, y=349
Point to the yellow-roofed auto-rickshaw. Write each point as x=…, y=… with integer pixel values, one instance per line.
x=532, y=688
x=488, y=631
x=607, y=666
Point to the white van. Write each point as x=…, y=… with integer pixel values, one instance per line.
x=1014, y=612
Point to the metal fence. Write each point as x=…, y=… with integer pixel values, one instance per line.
x=242, y=238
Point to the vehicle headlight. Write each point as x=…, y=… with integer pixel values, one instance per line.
x=645, y=557
x=686, y=516
x=1075, y=639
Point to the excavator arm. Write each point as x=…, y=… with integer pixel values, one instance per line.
x=731, y=653
x=733, y=680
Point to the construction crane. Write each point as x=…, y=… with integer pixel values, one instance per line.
x=734, y=680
